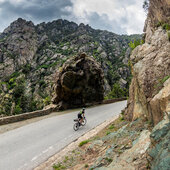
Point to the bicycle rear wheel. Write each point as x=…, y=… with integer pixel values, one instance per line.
x=84, y=122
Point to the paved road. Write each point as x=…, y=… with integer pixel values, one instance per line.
x=28, y=146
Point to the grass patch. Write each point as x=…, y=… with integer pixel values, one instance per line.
x=59, y=166
x=107, y=133
x=111, y=127
x=165, y=78
x=122, y=118
x=161, y=82
x=166, y=26
x=86, y=165
x=83, y=142
x=66, y=159
x=108, y=159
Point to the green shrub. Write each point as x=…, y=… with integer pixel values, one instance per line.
x=116, y=92
x=42, y=83
x=166, y=26
x=135, y=43
x=86, y=165
x=17, y=110
x=15, y=74
x=165, y=78
x=112, y=76
x=108, y=159
x=47, y=100
x=111, y=127
x=18, y=91
x=161, y=82
x=122, y=118
x=83, y=142
x=26, y=69
x=7, y=107
x=107, y=133
x=33, y=105
x=59, y=166
x=66, y=159
x=12, y=83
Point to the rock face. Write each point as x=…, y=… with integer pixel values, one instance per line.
x=150, y=69
x=159, y=150
x=80, y=81
x=150, y=86
x=133, y=158
x=159, y=11
x=161, y=102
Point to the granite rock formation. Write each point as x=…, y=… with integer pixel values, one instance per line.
x=78, y=82
x=150, y=64
x=150, y=87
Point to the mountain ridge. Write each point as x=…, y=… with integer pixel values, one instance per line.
x=33, y=53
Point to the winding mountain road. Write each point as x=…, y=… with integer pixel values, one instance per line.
x=26, y=147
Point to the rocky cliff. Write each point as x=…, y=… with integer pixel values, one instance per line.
x=31, y=54
x=150, y=62
x=150, y=87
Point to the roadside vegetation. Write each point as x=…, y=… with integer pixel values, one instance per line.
x=117, y=92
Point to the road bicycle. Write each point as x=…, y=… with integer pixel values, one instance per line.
x=78, y=124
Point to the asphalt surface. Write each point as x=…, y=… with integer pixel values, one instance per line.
x=28, y=146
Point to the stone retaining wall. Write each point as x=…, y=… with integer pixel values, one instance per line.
x=24, y=116
x=113, y=100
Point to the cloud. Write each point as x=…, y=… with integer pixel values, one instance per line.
x=117, y=16
x=122, y=17
x=35, y=10
x=103, y=22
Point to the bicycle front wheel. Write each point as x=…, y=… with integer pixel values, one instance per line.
x=76, y=126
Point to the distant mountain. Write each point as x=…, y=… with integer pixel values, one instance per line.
x=30, y=55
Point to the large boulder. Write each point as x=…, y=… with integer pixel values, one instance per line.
x=78, y=82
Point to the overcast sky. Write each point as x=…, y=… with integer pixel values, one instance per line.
x=118, y=16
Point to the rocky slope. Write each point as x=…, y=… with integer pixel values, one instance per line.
x=121, y=145
x=31, y=54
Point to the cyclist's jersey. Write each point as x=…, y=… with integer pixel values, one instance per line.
x=81, y=112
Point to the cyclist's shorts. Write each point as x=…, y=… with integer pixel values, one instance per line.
x=80, y=116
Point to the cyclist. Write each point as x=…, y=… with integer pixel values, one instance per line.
x=81, y=115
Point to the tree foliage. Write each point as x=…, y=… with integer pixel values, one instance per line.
x=117, y=92
x=146, y=5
